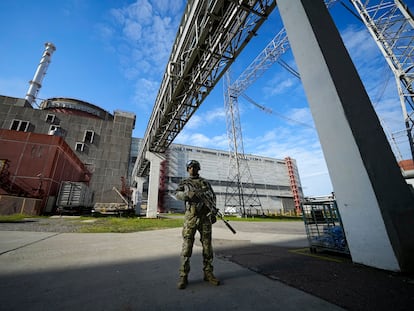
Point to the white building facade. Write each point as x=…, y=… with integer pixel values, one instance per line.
x=276, y=181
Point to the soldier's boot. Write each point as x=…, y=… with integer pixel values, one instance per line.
x=184, y=270
x=209, y=277
x=182, y=282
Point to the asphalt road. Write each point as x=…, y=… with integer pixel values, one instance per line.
x=265, y=266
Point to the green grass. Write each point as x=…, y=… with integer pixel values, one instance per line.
x=114, y=224
x=125, y=225
x=14, y=218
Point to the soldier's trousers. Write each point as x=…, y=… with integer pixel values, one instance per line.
x=192, y=224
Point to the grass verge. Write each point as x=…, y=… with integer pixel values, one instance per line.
x=132, y=224
x=125, y=225
x=14, y=218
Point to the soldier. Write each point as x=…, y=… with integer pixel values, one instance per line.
x=200, y=201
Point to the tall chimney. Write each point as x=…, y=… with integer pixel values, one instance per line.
x=36, y=83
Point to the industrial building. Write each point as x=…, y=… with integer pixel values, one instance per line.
x=274, y=179
x=95, y=143
x=72, y=140
x=68, y=153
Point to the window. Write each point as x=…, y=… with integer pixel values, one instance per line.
x=88, y=136
x=80, y=147
x=55, y=130
x=209, y=152
x=50, y=118
x=20, y=125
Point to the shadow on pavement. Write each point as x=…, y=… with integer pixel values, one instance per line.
x=148, y=285
x=332, y=277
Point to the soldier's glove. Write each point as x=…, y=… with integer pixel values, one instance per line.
x=215, y=211
x=213, y=219
x=213, y=215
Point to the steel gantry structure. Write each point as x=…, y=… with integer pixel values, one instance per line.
x=391, y=24
x=213, y=33
x=392, y=27
x=210, y=37
x=241, y=190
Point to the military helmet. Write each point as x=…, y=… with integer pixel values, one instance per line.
x=193, y=163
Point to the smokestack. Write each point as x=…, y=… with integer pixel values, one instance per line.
x=36, y=83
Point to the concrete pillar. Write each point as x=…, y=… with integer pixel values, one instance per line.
x=375, y=203
x=154, y=182
x=138, y=194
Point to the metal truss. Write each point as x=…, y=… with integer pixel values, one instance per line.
x=240, y=191
x=392, y=26
x=270, y=54
x=210, y=37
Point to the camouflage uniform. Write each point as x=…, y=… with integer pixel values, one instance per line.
x=197, y=217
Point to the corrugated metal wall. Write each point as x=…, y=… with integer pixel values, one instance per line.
x=38, y=163
x=269, y=175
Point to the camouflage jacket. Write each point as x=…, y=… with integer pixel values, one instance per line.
x=196, y=191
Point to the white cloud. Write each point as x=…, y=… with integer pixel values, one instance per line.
x=132, y=31
x=139, y=11
x=148, y=28
x=367, y=58
x=207, y=118
x=359, y=41
x=279, y=84
x=214, y=115
x=145, y=93
x=164, y=7
x=105, y=31
x=194, y=122
x=300, y=116
x=142, y=34
x=187, y=137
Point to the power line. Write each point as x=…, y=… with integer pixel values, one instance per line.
x=270, y=111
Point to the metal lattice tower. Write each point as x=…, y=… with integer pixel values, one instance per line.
x=392, y=26
x=241, y=192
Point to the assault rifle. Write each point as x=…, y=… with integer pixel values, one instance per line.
x=208, y=200
x=217, y=213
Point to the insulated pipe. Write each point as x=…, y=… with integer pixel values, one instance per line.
x=36, y=83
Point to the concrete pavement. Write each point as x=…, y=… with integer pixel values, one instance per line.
x=139, y=271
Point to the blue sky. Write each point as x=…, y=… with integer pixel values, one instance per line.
x=112, y=53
